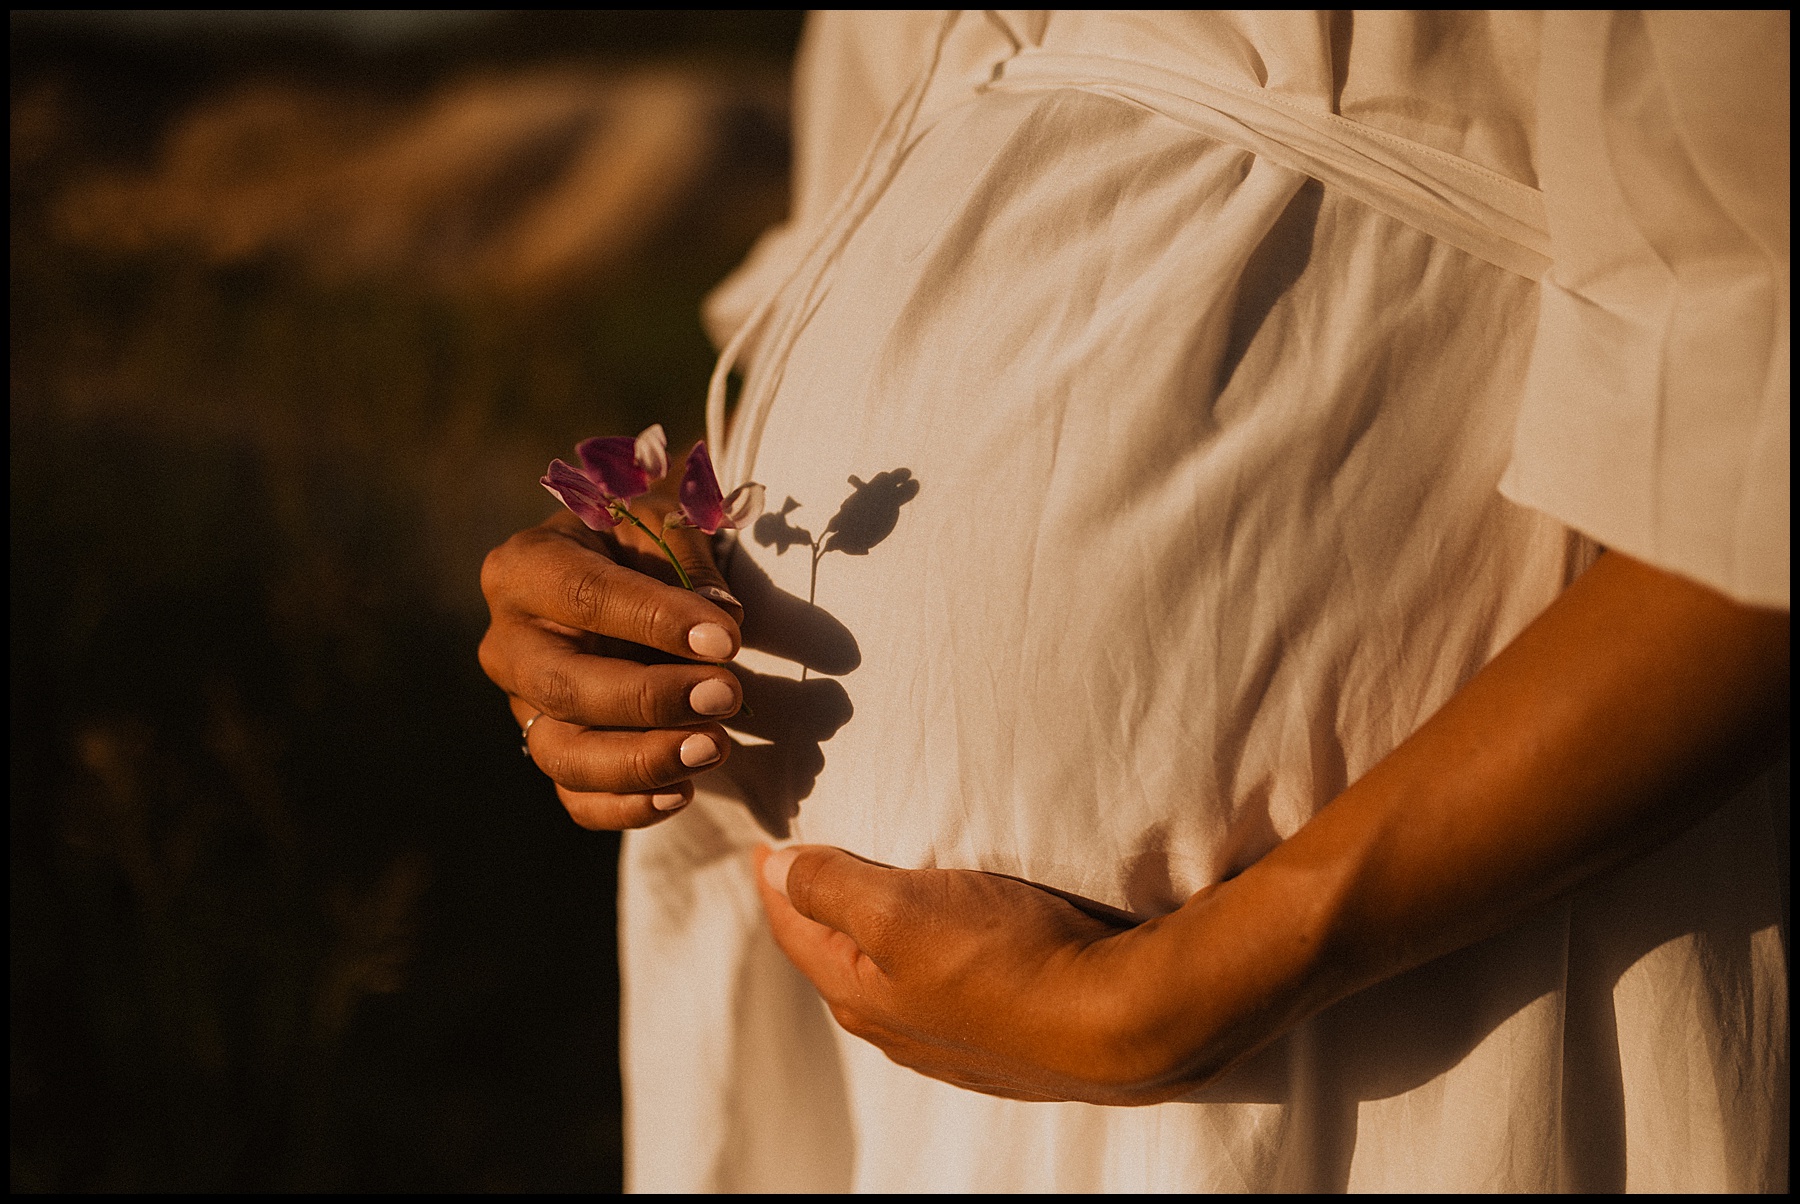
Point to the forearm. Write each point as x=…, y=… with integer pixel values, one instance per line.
x=1624, y=714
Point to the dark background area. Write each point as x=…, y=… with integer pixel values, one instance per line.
x=300, y=311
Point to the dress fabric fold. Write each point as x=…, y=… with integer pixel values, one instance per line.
x=1210, y=390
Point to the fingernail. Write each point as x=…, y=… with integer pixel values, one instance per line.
x=668, y=802
x=719, y=595
x=712, y=697
x=776, y=867
x=698, y=750
x=709, y=640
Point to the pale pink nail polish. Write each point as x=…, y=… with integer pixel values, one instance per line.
x=712, y=697
x=698, y=750
x=668, y=802
x=709, y=640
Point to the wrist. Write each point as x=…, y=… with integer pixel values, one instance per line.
x=1230, y=971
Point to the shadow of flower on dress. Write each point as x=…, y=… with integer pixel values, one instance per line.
x=871, y=512
x=773, y=530
x=865, y=518
x=797, y=717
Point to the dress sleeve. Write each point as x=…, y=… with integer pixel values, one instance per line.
x=1655, y=416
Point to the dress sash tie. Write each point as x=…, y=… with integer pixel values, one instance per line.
x=1469, y=206
x=1480, y=211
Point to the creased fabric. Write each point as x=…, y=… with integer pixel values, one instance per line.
x=1172, y=364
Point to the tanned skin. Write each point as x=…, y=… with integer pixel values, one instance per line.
x=1622, y=716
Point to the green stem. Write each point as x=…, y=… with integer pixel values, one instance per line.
x=744, y=708
x=686, y=581
x=639, y=523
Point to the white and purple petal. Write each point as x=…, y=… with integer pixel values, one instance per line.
x=611, y=462
x=651, y=451
x=744, y=504
x=701, y=502
x=573, y=488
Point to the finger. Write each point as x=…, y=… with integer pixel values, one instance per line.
x=829, y=958
x=547, y=672
x=694, y=549
x=867, y=902
x=546, y=574
x=598, y=811
x=598, y=760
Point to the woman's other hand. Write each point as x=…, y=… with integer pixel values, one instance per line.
x=624, y=670
x=976, y=979
x=1629, y=710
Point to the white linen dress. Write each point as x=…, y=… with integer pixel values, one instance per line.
x=1243, y=383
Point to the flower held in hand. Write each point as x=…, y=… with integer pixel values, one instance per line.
x=704, y=506
x=615, y=469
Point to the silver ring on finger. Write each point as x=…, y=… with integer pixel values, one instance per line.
x=525, y=735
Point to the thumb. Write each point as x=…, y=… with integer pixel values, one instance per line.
x=694, y=549
x=831, y=887
x=829, y=956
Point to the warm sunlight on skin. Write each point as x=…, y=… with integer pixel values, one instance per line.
x=572, y=612
x=1620, y=717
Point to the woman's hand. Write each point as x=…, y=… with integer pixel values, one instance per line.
x=626, y=668
x=1623, y=715
x=976, y=979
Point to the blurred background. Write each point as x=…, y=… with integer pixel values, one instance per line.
x=302, y=304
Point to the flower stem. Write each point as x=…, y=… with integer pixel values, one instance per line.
x=639, y=523
x=686, y=581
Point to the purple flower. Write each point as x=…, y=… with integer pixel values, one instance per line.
x=702, y=503
x=572, y=488
x=613, y=470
